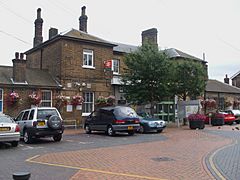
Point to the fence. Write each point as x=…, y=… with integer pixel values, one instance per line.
x=70, y=123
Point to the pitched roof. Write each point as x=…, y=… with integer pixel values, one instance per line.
x=235, y=75
x=217, y=86
x=125, y=48
x=175, y=53
x=77, y=34
x=34, y=77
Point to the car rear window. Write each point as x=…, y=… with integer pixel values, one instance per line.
x=5, y=119
x=46, y=113
x=124, y=112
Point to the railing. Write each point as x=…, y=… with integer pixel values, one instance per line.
x=70, y=123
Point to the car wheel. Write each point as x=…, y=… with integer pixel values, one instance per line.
x=141, y=129
x=159, y=131
x=87, y=129
x=27, y=138
x=110, y=131
x=54, y=122
x=57, y=138
x=131, y=133
x=14, y=143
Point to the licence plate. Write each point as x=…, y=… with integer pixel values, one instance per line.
x=130, y=127
x=4, y=128
x=41, y=123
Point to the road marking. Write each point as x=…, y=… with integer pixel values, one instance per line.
x=85, y=142
x=216, y=171
x=31, y=160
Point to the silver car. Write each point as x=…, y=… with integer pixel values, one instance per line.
x=9, y=130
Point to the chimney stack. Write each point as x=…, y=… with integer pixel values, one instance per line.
x=38, y=38
x=52, y=33
x=19, y=68
x=83, y=20
x=226, y=80
x=150, y=36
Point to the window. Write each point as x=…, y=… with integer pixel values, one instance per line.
x=25, y=115
x=88, y=103
x=46, y=99
x=88, y=59
x=31, y=115
x=115, y=66
x=1, y=100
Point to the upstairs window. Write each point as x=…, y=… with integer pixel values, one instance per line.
x=115, y=66
x=88, y=59
x=46, y=99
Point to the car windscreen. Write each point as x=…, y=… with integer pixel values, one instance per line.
x=124, y=112
x=5, y=119
x=46, y=113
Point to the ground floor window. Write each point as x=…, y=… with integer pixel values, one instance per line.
x=46, y=98
x=88, y=105
x=1, y=100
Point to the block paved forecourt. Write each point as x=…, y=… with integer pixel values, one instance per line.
x=181, y=156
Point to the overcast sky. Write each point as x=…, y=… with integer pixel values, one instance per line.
x=192, y=26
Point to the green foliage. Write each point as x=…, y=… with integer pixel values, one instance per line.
x=147, y=75
x=189, y=79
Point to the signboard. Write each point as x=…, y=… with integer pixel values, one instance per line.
x=108, y=65
x=191, y=109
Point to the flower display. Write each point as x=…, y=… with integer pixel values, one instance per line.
x=196, y=117
x=62, y=100
x=35, y=99
x=209, y=103
x=77, y=100
x=13, y=98
x=105, y=101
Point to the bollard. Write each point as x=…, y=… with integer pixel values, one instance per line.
x=21, y=175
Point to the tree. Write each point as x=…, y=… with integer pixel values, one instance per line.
x=189, y=79
x=146, y=78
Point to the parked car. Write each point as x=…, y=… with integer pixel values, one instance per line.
x=40, y=122
x=9, y=130
x=112, y=120
x=228, y=118
x=149, y=124
x=236, y=113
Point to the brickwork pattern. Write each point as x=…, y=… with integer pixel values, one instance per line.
x=185, y=150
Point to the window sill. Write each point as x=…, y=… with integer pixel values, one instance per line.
x=88, y=67
x=85, y=114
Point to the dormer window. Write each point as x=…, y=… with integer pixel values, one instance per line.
x=88, y=59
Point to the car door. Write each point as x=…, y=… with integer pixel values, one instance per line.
x=94, y=120
x=18, y=120
x=105, y=119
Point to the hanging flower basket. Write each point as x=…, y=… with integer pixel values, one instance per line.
x=34, y=99
x=77, y=100
x=105, y=101
x=13, y=98
x=62, y=100
x=209, y=104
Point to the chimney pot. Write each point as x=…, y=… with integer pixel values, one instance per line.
x=226, y=80
x=83, y=20
x=16, y=55
x=21, y=56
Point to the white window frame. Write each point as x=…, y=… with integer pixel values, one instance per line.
x=86, y=64
x=85, y=102
x=44, y=100
x=114, y=65
x=1, y=100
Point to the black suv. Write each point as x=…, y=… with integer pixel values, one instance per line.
x=112, y=119
x=40, y=122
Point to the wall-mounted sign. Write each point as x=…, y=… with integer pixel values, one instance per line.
x=108, y=65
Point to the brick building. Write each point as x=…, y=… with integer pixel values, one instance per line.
x=69, y=65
